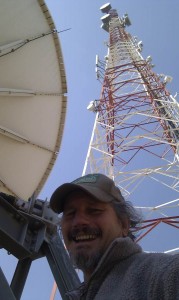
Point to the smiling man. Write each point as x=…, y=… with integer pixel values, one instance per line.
x=97, y=226
x=88, y=227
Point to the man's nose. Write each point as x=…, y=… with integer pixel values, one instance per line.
x=80, y=218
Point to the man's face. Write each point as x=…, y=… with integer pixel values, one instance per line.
x=88, y=227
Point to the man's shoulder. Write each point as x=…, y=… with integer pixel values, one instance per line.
x=156, y=262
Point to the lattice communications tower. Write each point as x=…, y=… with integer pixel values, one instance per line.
x=135, y=139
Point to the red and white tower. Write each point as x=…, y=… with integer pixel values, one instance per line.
x=135, y=139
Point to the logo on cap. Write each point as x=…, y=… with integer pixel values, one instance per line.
x=87, y=179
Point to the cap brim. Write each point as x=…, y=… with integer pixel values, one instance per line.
x=59, y=196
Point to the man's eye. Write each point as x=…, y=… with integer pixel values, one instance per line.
x=95, y=210
x=69, y=213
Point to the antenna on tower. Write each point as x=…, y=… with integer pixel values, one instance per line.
x=105, y=8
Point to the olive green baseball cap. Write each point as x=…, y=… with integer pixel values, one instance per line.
x=99, y=186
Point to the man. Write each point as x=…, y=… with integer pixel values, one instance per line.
x=97, y=225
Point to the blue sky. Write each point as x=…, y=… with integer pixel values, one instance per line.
x=154, y=22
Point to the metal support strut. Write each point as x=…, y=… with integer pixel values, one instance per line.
x=63, y=272
x=32, y=233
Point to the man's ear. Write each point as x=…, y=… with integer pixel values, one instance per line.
x=125, y=226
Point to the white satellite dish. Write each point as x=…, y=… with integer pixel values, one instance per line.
x=32, y=96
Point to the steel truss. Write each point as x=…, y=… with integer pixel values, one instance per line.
x=29, y=231
x=135, y=139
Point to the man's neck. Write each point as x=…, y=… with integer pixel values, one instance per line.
x=87, y=274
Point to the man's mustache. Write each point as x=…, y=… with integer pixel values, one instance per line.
x=84, y=230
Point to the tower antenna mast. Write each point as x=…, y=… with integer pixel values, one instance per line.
x=135, y=139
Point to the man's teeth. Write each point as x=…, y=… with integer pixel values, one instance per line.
x=85, y=237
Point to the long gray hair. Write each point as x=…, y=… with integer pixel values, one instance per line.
x=126, y=209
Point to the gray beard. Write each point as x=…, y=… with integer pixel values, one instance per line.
x=85, y=262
